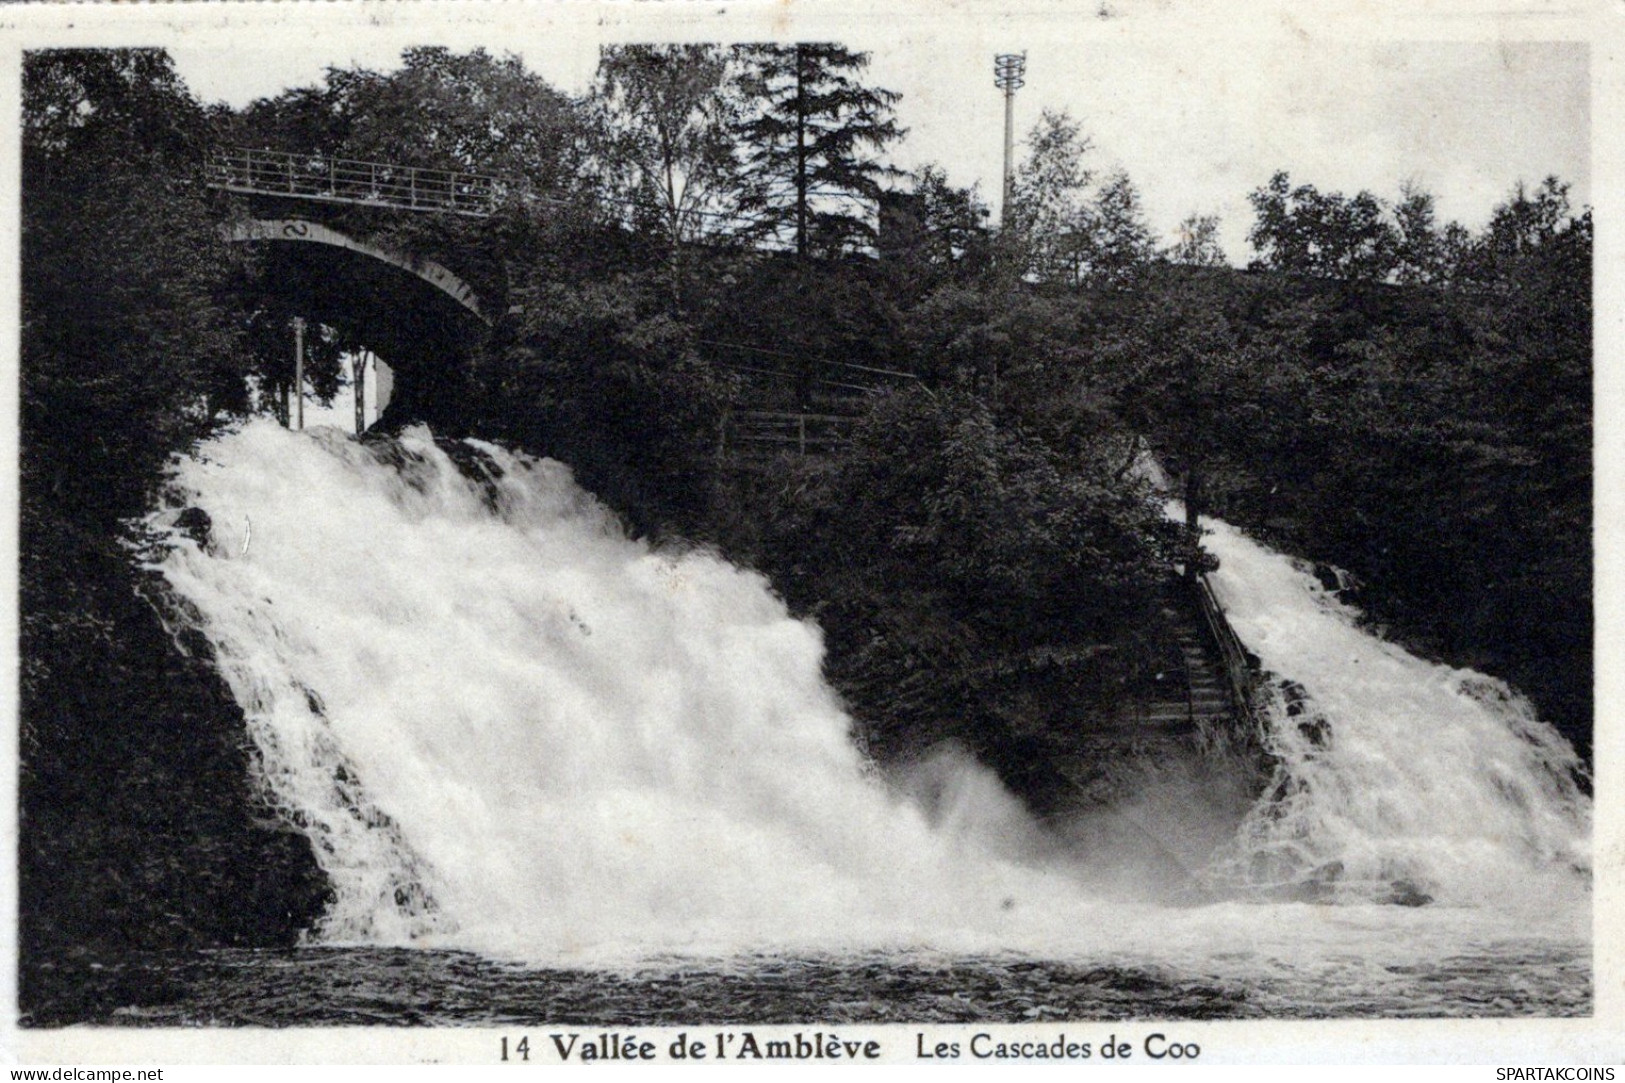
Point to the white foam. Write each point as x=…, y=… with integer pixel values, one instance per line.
x=505, y=726
x=1393, y=767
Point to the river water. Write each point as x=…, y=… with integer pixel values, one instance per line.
x=555, y=773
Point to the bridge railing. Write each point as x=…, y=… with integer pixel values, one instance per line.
x=344, y=180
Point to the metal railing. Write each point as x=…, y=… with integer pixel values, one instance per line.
x=767, y=431
x=343, y=180
x=1238, y=670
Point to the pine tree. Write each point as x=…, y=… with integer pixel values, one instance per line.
x=809, y=144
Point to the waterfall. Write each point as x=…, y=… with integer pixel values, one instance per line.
x=1392, y=770
x=506, y=726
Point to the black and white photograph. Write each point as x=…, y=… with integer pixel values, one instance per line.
x=770, y=534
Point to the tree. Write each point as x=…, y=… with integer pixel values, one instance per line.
x=122, y=105
x=470, y=112
x=1521, y=233
x=1455, y=252
x=1119, y=241
x=809, y=140
x=1198, y=244
x=1419, y=254
x=933, y=231
x=669, y=147
x=953, y=556
x=600, y=373
x=1199, y=380
x=975, y=337
x=1048, y=217
x=1019, y=535
x=1305, y=231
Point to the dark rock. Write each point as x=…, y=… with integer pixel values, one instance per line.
x=141, y=825
x=195, y=524
x=1406, y=893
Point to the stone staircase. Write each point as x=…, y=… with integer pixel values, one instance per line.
x=1194, y=708
x=1192, y=693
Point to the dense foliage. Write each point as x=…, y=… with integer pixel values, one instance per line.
x=138, y=815
x=950, y=553
x=1439, y=445
x=129, y=348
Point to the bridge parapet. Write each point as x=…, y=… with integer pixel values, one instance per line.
x=298, y=230
x=327, y=179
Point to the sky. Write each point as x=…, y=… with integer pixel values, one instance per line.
x=1199, y=110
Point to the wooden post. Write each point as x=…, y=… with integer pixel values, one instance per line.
x=358, y=366
x=299, y=371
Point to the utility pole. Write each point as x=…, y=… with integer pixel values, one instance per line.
x=1008, y=72
x=299, y=371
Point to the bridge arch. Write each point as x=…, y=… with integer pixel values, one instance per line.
x=303, y=231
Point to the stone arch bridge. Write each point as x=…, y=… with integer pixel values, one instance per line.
x=423, y=317
x=416, y=313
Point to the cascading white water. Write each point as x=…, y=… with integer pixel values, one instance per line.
x=506, y=726
x=1393, y=769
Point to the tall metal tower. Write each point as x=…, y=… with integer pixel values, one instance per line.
x=1008, y=72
